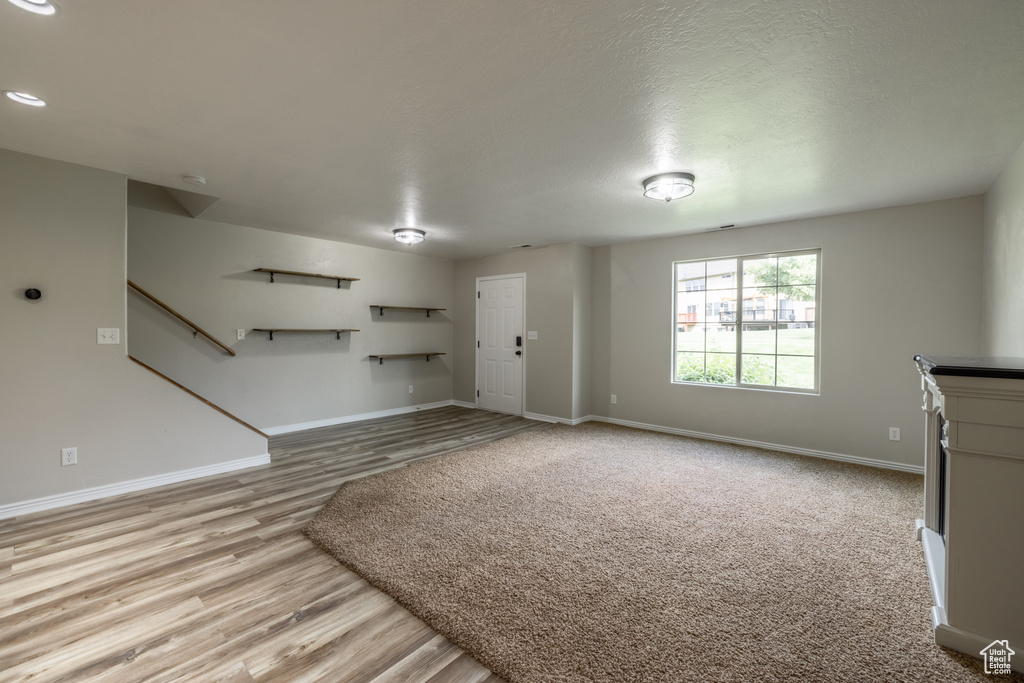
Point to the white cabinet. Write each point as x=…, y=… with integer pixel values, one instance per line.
x=973, y=530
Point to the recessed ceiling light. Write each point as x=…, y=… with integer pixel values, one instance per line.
x=669, y=186
x=37, y=6
x=409, y=235
x=25, y=98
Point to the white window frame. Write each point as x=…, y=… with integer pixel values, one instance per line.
x=740, y=320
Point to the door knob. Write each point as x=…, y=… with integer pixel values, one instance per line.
x=519, y=353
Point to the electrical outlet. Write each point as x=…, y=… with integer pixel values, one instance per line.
x=68, y=456
x=894, y=433
x=241, y=334
x=410, y=388
x=108, y=335
x=615, y=399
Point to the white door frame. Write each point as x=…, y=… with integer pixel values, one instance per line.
x=476, y=333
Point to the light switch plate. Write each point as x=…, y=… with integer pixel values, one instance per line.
x=108, y=335
x=531, y=335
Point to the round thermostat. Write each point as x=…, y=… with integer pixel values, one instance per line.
x=32, y=294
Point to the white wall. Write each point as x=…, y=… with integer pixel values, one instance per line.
x=204, y=270
x=582, y=331
x=895, y=282
x=548, y=360
x=63, y=232
x=1004, y=261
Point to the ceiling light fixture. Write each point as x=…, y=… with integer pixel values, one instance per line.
x=669, y=186
x=409, y=235
x=25, y=98
x=36, y=6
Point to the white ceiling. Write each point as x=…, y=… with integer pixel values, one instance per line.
x=492, y=123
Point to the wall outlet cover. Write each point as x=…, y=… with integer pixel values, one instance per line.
x=531, y=335
x=894, y=433
x=108, y=335
x=241, y=334
x=68, y=456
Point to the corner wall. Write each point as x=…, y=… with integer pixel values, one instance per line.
x=1004, y=261
x=895, y=282
x=204, y=270
x=63, y=232
x=548, y=360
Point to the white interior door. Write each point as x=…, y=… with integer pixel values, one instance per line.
x=499, y=369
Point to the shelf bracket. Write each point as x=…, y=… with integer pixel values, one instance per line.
x=380, y=361
x=271, y=278
x=428, y=312
x=195, y=334
x=428, y=359
x=271, y=333
x=381, y=310
x=337, y=333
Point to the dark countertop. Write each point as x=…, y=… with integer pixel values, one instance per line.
x=1002, y=367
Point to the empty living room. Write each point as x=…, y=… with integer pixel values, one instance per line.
x=525, y=342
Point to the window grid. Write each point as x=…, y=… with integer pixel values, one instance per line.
x=770, y=301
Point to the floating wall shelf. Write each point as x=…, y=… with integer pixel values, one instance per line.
x=272, y=271
x=336, y=332
x=406, y=308
x=381, y=356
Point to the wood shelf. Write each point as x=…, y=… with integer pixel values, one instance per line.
x=406, y=308
x=296, y=273
x=381, y=356
x=337, y=332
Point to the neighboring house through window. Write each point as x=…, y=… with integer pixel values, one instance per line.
x=749, y=321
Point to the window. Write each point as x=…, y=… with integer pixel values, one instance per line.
x=752, y=322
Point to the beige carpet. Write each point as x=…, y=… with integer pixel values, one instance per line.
x=600, y=553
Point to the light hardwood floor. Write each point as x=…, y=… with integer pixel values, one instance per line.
x=213, y=580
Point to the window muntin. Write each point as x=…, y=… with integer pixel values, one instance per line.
x=748, y=321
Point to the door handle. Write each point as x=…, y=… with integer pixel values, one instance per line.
x=519, y=340
x=519, y=352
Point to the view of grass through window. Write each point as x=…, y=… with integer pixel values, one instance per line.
x=748, y=321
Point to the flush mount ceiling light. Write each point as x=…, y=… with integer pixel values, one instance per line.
x=669, y=186
x=409, y=235
x=25, y=98
x=37, y=6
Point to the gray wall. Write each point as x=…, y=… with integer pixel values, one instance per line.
x=895, y=282
x=550, y=281
x=63, y=232
x=1004, y=261
x=582, y=331
x=204, y=270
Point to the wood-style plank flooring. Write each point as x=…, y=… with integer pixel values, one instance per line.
x=213, y=580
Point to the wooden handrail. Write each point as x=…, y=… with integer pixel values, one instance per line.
x=195, y=395
x=195, y=328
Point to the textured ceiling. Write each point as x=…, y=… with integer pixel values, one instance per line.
x=491, y=123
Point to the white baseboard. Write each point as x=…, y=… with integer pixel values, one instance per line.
x=464, y=404
x=884, y=464
x=558, y=420
x=330, y=422
x=107, y=490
